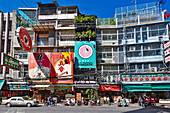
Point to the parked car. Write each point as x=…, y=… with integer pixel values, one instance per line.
x=19, y=101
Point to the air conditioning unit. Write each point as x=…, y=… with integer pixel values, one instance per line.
x=153, y=69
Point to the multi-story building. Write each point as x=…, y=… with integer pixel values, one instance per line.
x=140, y=33
x=129, y=49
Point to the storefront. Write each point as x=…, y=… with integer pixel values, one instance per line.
x=109, y=92
x=156, y=85
x=82, y=86
x=18, y=89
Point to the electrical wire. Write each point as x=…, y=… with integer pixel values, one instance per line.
x=29, y=3
x=24, y=3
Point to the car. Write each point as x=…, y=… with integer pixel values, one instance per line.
x=19, y=101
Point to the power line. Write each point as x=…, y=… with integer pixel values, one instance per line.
x=29, y=3
x=24, y=3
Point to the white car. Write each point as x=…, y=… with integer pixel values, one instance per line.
x=19, y=101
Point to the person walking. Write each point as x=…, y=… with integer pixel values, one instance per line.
x=141, y=100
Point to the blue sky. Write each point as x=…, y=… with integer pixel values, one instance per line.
x=101, y=8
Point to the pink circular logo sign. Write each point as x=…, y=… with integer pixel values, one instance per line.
x=85, y=51
x=25, y=39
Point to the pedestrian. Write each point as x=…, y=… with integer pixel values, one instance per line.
x=141, y=100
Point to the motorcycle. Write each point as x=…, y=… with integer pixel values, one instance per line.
x=153, y=103
x=79, y=103
x=93, y=103
x=124, y=103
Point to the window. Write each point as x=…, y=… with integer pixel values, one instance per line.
x=20, y=99
x=14, y=99
x=146, y=66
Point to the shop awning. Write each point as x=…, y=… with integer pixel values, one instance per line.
x=1, y=83
x=40, y=86
x=146, y=87
x=17, y=87
x=86, y=86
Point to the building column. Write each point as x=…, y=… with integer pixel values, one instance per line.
x=6, y=39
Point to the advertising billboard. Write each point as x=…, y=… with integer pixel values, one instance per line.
x=25, y=39
x=9, y=61
x=85, y=54
x=39, y=65
x=62, y=67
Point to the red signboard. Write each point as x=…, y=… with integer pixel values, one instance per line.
x=167, y=45
x=167, y=59
x=25, y=39
x=62, y=67
x=39, y=65
x=114, y=87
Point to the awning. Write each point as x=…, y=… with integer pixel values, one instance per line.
x=1, y=83
x=86, y=86
x=146, y=87
x=40, y=86
x=18, y=87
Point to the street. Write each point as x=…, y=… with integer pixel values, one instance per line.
x=85, y=109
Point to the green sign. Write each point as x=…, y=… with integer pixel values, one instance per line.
x=9, y=61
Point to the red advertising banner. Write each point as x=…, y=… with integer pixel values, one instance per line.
x=114, y=87
x=39, y=65
x=62, y=67
x=167, y=45
x=167, y=59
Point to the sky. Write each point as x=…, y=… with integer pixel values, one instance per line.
x=101, y=8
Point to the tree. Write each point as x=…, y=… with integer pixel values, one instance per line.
x=92, y=93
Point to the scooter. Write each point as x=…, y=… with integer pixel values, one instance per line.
x=124, y=103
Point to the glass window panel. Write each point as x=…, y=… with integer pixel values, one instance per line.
x=139, y=66
x=105, y=32
x=153, y=33
x=155, y=46
x=137, y=29
x=132, y=66
x=162, y=26
x=162, y=32
x=104, y=37
x=146, y=66
x=144, y=28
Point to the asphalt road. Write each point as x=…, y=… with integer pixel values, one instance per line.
x=84, y=109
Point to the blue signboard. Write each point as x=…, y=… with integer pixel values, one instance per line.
x=85, y=54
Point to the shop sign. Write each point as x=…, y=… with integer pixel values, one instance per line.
x=85, y=54
x=167, y=52
x=9, y=61
x=167, y=59
x=39, y=65
x=62, y=67
x=114, y=87
x=78, y=96
x=145, y=78
x=84, y=82
x=167, y=45
x=25, y=39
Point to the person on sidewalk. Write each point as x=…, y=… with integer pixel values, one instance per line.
x=141, y=100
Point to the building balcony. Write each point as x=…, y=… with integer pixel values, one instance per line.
x=156, y=58
x=66, y=43
x=59, y=16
